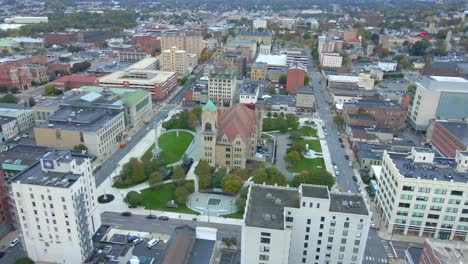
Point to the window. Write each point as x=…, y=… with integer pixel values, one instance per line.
x=264, y=257
x=357, y=242
x=306, y=245
x=345, y=232
x=346, y=224
x=420, y=206
x=330, y=239
x=440, y=191
x=457, y=193
x=264, y=249
x=415, y=222
x=289, y=219
x=317, y=250
x=449, y=218
x=433, y=216
x=436, y=208
x=342, y=248
x=451, y=210
x=424, y=190
x=322, y=219
x=406, y=196
x=421, y=198
x=417, y=215
x=265, y=240
x=265, y=234
x=304, y=252
x=321, y=226
x=404, y=205
x=307, y=229
x=454, y=201
x=332, y=231
x=343, y=241
x=306, y=237
x=438, y=200
x=407, y=188
x=308, y=221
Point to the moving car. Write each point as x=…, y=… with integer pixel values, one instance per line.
x=17, y=138
x=128, y=139
x=14, y=242
x=163, y=218
x=350, y=163
x=151, y=216
x=24, y=135
x=354, y=178
x=126, y=213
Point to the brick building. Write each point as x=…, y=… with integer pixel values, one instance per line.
x=383, y=114
x=60, y=38
x=295, y=77
x=146, y=41
x=74, y=81
x=448, y=137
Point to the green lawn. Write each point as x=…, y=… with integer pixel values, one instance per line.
x=307, y=132
x=237, y=215
x=309, y=165
x=156, y=199
x=313, y=144
x=172, y=146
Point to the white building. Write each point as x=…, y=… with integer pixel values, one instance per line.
x=265, y=48
x=387, y=65
x=56, y=208
x=260, y=23
x=438, y=97
x=179, y=61
x=331, y=60
x=308, y=224
x=297, y=55
x=423, y=195
x=9, y=128
x=26, y=20
x=24, y=115
x=249, y=94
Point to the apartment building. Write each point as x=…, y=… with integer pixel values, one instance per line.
x=446, y=137
x=179, y=61
x=132, y=56
x=419, y=194
x=265, y=48
x=222, y=86
x=24, y=115
x=8, y=128
x=182, y=41
x=230, y=136
x=56, y=208
x=331, y=60
x=100, y=129
x=308, y=224
x=325, y=45
x=438, y=97
x=295, y=77
x=258, y=71
x=143, y=75
x=443, y=252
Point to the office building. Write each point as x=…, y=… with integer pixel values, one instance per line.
x=24, y=115
x=259, y=23
x=56, y=208
x=419, y=194
x=249, y=94
x=68, y=82
x=438, y=97
x=230, y=136
x=182, y=41
x=308, y=224
x=295, y=77
x=297, y=56
x=8, y=128
x=265, y=48
x=98, y=127
x=132, y=56
x=222, y=86
x=276, y=62
x=446, y=137
x=245, y=43
x=257, y=36
x=143, y=75
x=331, y=60
x=178, y=61
x=258, y=71
x=350, y=82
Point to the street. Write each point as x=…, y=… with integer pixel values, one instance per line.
x=142, y=224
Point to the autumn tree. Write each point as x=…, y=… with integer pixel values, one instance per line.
x=293, y=158
x=231, y=183
x=155, y=179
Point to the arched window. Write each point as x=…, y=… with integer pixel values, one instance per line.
x=208, y=127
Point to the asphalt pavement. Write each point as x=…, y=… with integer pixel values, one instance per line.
x=12, y=254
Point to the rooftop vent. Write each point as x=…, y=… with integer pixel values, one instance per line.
x=278, y=201
x=267, y=217
x=269, y=196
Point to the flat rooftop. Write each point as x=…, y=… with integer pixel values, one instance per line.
x=289, y=100
x=314, y=191
x=441, y=169
x=343, y=78
x=6, y=119
x=458, y=129
x=305, y=89
x=449, y=79
x=34, y=174
x=266, y=206
x=273, y=60
x=76, y=119
x=373, y=104
x=348, y=203
x=136, y=76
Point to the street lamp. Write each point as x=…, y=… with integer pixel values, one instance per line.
x=231, y=206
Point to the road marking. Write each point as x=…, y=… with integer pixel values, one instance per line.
x=394, y=251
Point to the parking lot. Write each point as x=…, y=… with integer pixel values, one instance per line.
x=144, y=254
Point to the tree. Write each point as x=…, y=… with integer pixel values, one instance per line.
x=307, y=79
x=181, y=195
x=49, y=89
x=260, y=176
x=403, y=62
x=203, y=171
x=9, y=98
x=31, y=102
x=24, y=260
x=283, y=91
x=229, y=241
x=292, y=121
x=80, y=147
x=242, y=173
x=155, y=179
x=282, y=79
x=295, y=135
x=205, y=56
x=231, y=183
x=197, y=110
x=293, y=157
x=178, y=174
x=133, y=199
x=80, y=66
x=441, y=47
x=419, y=48
x=14, y=90
x=338, y=120
x=271, y=90
x=4, y=89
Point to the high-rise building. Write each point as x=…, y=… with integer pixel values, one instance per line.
x=222, y=86
x=178, y=61
x=56, y=208
x=308, y=224
x=331, y=60
x=438, y=97
x=420, y=194
x=182, y=41
x=295, y=77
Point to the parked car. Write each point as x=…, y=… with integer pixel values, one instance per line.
x=126, y=213
x=151, y=216
x=372, y=225
x=24, y=135
x=335, y=167
x=354, y=178
x=163, y=218
x=98, y=167
x=342, y=145
x=350, y=163
x=346, y=157
x=153, y=242
x=14, y=242
x=128, y=139
x=17, y=138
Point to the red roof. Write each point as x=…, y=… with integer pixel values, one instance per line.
x=76, y=78
x=237, y=120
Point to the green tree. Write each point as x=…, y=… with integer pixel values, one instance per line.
x=271, y=90
x=155, y=179
x=260, y=176
x=283, y=91
x=419, y=48
x=24, y=260
x=292, y=121
x=197, y=110
x=307, y=79
x=178, y=174
x=338, y=120
x=4, y=89
x=133, y=199
x=49, y=89
x=295, y=135
x=181, y=195
x=229, y=241
x=9, y=98
x=31, y=102
x=80, y=147
x=231, y=183
x=293, y=157
x=282, y=79
x=138, y=174
x=14, y=90
x=242, y=173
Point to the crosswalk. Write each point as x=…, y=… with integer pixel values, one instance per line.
x=388, y=249
x=374, y=260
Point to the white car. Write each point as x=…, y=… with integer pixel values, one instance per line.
x=14, y=242
x=350, y=163
x=335, y=167
x=128, y=139
x=17, y=138
x=372, y=225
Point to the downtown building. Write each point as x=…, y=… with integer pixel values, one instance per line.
x=308, y=224
x=56, y=208
x=191, y=44
x=179, y=61
x=419, y=194
x=222, y=86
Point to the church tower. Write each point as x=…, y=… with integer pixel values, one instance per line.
x=209, y=126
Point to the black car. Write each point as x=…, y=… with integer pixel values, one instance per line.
x=346, y=157
x=151, y=216
x=163, y=218
x=354, y=178
x=342, y=145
